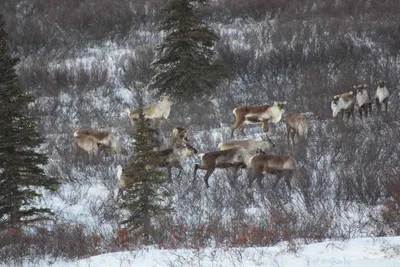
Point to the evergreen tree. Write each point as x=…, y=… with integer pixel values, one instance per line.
x=184, y=65
x=142, y=199
x=21, y=175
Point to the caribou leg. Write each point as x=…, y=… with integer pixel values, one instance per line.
x=277, y=179
x=265, y=125
x=378, y=105
x=386, y=104
x=196, y=167
x=180, y=170
x=120, y=192
x=293, y=133
x=253, y=177
x=288, y=177
x=208, y=173
x=370, y=108
x=288, y=135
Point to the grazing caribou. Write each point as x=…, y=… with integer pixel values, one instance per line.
x=281, y=166
x=91, y=140
x=172, y=157
x=154, y=111
x=265, y=142
x=264, y=114
x=87, y=143
x=167, y=158
x=236, y=158
x=363, y=99
x=343, y=103
x=381, y=96
x=295, y=124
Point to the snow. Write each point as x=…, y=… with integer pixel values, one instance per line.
x=360, y=252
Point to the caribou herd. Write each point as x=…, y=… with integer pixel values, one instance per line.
x=247, y=154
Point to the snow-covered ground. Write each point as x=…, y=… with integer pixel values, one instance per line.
x=360, y=252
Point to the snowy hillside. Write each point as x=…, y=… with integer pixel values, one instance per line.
x=360, y=252
x=85, y=60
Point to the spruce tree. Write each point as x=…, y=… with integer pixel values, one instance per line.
x=21, y=175
x=184, y=65
x=143, y=198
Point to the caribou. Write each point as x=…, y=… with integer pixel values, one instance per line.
x=236, y=157
x=295, y=125
x=87, y=143
x=363, y=100
x=167, y=158
x=343, y=103
x=179, y=134
x=279, y=165
x=263, y=114
x=265, y=142
x=155, y=111
x=90, y=141
x=381, y=96
x=172, y=157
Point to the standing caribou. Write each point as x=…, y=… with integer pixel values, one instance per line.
x=251, y=144
x=154, y=111
x=91, y=140
x=364, y=101
x=295, y=124
x=172, y=157
x=381, y=96
x=283, y=166
x=264, y=114
x=343, y=103
x=236, y=157
x=179, y=134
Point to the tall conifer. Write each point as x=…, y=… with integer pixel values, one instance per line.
x=184, y=64
x=21, y=173
x=143, y=198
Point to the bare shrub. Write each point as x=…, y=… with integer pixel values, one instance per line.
x=137, y=69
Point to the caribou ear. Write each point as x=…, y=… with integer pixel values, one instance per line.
x=275, y=103
x=284, y=102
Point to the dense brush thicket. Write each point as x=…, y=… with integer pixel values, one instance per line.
x=81, y=57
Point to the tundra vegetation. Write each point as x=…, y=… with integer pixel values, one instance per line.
x=346, y=182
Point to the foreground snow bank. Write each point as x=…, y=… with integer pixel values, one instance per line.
x=361, y=252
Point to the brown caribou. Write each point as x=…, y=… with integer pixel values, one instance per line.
x=279, y=165
x=263, y=114
x=265, y=142
x=295, y=125
x=172, y=157
x=90, y=140
x=236, y=157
